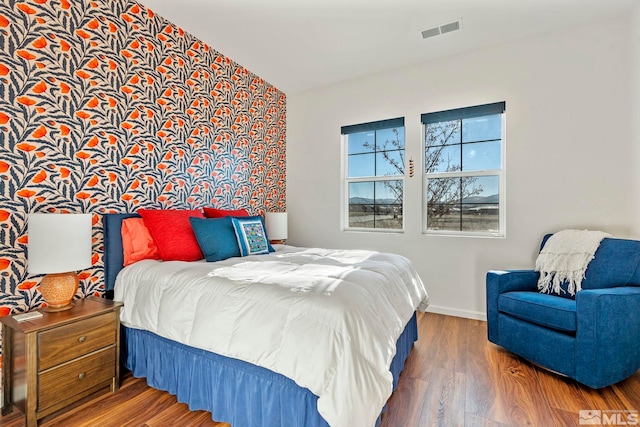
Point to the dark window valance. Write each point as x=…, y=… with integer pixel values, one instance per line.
x=380, y=124
x=463, y=113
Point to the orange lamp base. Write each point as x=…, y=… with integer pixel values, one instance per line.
x=58, y=290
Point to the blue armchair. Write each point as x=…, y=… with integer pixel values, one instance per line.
x=593, y=338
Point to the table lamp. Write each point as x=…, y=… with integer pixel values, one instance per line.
x=58, y=246
x=276, y=223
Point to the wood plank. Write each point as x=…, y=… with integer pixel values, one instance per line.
x=179, y=415
x=404, y=408
x=562, y=393
x=424, y=351
x=607, y=399
x=471, y=420
x=502, y=387
x=629, y=391
x=444, y=400
x=482, y=398
x=565, y=418
x=136, y=411
x=434, y=349
x=522, y=392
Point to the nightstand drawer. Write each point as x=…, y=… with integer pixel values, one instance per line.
x=65, y=343
x=65, y=381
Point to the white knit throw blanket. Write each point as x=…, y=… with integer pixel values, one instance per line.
x=565, y=257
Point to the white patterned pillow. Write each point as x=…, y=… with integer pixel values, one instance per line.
x=251, y=236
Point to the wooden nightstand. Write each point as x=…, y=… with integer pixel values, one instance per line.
x=61, y=357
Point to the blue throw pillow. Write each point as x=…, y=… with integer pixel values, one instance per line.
x=216, y=237
x=251, y=235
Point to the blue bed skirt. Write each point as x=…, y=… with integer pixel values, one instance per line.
x=234, y=391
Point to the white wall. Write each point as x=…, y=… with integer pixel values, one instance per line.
x=568, y=143
x=635, y=112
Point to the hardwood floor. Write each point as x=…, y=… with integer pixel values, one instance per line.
x=453, y=377
x=456, y=377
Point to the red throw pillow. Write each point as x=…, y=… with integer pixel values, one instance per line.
x=221, y=213
x=172, y=232
x=137, y=242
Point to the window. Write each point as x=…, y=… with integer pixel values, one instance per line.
x=374, y=175
x=464, y=171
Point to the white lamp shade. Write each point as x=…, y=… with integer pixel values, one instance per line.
x=58, y=243
x=276, y=223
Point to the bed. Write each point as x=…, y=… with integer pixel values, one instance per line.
x=234, y=378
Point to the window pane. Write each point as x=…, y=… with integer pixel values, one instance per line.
x=443, y=204
x=388, y=216
x=443, y=190
x=376, y=204
x=390, y=139
x=481, y=156
x=388, y=204
x=442, y=158
x=443, y=216
x=361, y=205
x=480, y=208
x=389, y=192
x=482, y=128
x=361, y=192
x=480, y=189
x=463, y=204
x=389, y=163
x=362, y=142
x=361, y=165
x=442, y=133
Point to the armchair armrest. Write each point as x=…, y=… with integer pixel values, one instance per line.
x=513, y=280
x=608, y=332
x=501, y=281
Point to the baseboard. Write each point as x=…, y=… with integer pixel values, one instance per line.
x=457, y=313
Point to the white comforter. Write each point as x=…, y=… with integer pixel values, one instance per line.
x=328, y=319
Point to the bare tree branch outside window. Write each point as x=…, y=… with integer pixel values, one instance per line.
x=378, y=202
x=445, y=195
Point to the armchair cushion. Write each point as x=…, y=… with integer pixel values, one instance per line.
x=542, y=309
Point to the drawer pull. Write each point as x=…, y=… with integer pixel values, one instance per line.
x=82, y=339
x=82, y=375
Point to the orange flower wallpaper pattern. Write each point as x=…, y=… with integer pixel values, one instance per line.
x=107, y=107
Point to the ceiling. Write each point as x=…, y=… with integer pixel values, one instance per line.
x=297, y=45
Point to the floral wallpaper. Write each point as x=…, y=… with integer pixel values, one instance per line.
x=107, y=107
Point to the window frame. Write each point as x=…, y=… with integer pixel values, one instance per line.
x=346, y=180
x=460, y=114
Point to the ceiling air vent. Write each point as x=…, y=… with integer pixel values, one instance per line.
x=442, y=29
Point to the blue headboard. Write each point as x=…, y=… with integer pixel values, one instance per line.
x=113, y=253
